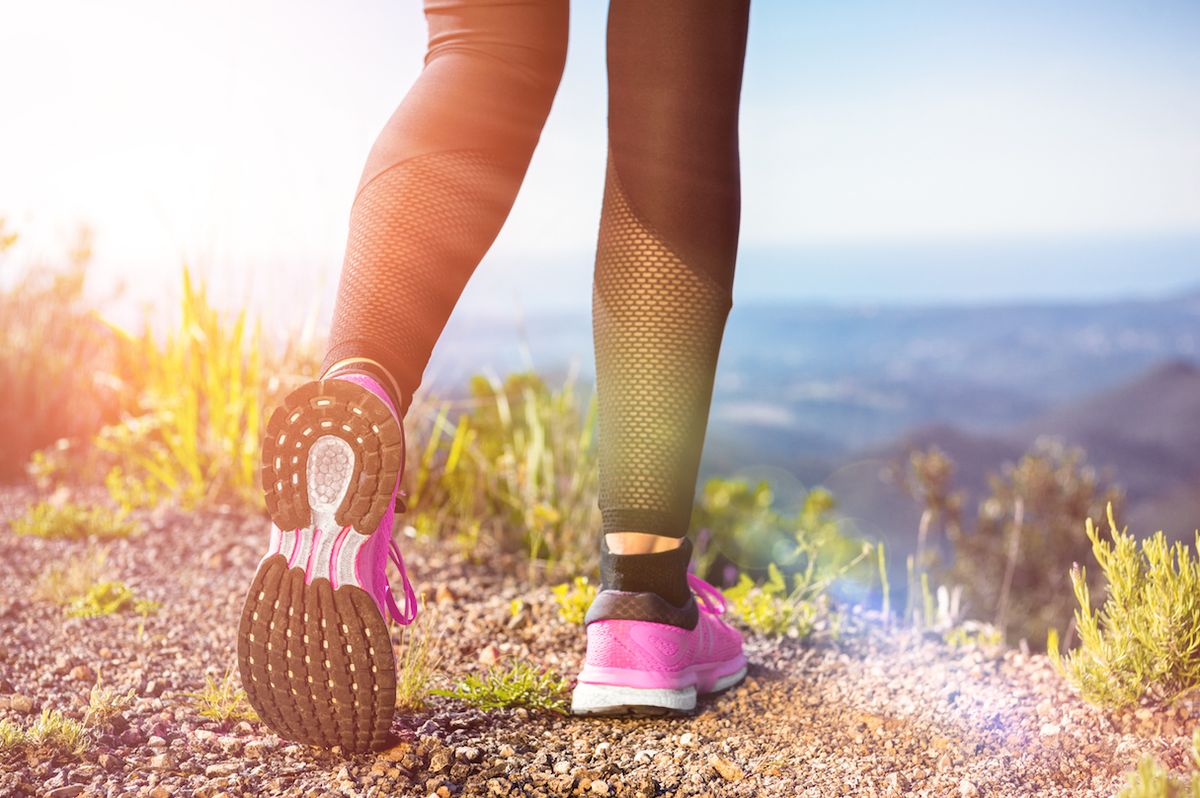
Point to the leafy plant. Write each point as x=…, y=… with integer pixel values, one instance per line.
x=73, y=521
x=770, y=608
x=1144, y=641
x=520, y=685
x=222, y=700
x=49, y=731
x=574, y=598
x=102, y=598
x=1152, y=780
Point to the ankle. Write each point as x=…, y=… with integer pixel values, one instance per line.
x=663, y=572
x=640, y=543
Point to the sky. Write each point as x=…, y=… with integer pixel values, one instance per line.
x=891, y=151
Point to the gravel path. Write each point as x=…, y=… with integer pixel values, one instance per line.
x=872, y=713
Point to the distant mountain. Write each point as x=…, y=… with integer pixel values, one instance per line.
x=1143, y=433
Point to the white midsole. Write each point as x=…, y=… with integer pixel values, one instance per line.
x=590, y=697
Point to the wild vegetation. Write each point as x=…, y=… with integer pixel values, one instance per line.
x=519, y=685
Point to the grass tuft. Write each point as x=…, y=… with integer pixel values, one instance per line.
x=102, y=598
x=573, y=599
x=1144, y=642
x=105, y=703
x=418, y=663
x=222, y=700
x=50, y=731
x=73, y=521
x=519, y=685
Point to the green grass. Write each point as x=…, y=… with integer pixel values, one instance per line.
x=223, y=700
x=1143, y=643
x=105, y=704
x=102, y=598
x=519, y=685
x=419, y=662
x=50, y=732
x=573, y=599
x=73, y=521
x=80, y=586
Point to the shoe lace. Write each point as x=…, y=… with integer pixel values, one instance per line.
x=408, y=614
x=712, y=600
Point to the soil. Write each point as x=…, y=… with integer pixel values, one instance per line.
x=871, y=710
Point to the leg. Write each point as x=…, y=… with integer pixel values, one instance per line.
x=663, y=283
x=313, y=641
x=665, y=260
x=442, y=178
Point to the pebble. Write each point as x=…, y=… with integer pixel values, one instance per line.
x=162, y=762
x=507, y=750
x=967, y=790
x=82, y=673
x=687, y=740
x=1049, y=729
x=562, y=767
x=467, y=753
x=600, y=787
x=68, y=791
x=21, y=703
x=726, y=769
x=222, y=769
x=489, y=655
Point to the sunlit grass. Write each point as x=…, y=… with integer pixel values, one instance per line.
x=222, y=700
x=73, y=521
x=51, y=731
x=519, y=685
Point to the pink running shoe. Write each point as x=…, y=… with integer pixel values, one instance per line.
x=648, y=657
x=313, y=645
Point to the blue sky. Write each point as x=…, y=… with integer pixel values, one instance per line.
x=883, y=143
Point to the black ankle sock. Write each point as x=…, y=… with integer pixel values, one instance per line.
x=663, y=573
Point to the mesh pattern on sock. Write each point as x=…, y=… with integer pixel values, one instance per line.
x=658, y=327
x=417, y=231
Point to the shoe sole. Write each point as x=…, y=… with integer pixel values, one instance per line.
x=314, y=650
x=612, y=700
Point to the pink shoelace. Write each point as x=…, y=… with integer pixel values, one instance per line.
x=711, y=599
x=409, y=613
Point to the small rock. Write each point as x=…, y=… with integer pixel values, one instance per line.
x=82, y=673
x=133, y=738
x=600, y=787
x=489, y=655
x=156, y=742
x=6, y=686
x=160, y=792
x=726, y=769
x=69, y=791
x=222, y=769
x=1049, y=730
x=255, y=749
x=153, y=688
x=229, y=744
x=204, y=736
x=105, y=653
x=162, y=762
x=21, y=703
x=507, y=750
x=444, y=594
x=467, y=753
x=687, y=740
x=439, y=760
x=967, y=790
x=562, y=767
x=109, y=762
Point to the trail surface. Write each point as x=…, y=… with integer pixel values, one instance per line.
x=875, y=712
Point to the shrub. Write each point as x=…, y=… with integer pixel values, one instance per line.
x=1152, y=780
x=222, y=700
x=520, y=685
x=516, y=469
x=55, y=352
x=1144, y=642
x=72, y=521
x=573, y=599
x=1012, y=566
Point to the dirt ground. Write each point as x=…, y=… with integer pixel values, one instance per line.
x=874, y=712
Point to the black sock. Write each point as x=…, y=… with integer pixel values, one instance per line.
x=663, y=573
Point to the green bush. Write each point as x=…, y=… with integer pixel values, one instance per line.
x=1144, y=641
x=55, y=354
x=520, y=685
